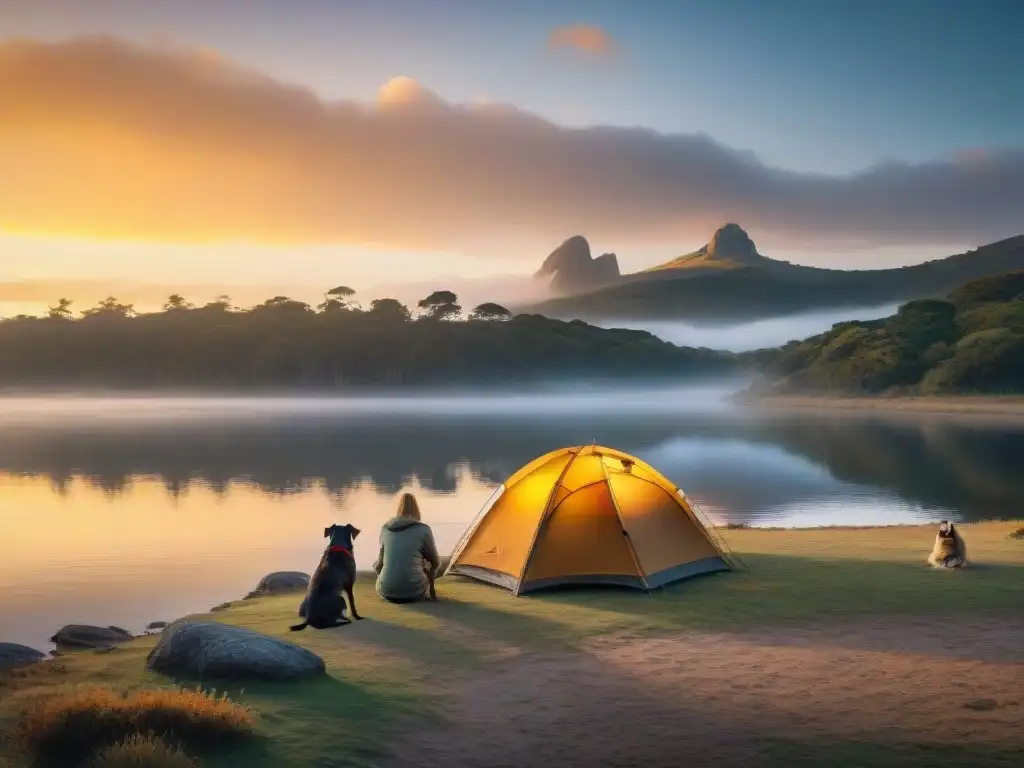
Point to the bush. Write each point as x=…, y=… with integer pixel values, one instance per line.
x=143, y=751
x=74, y=724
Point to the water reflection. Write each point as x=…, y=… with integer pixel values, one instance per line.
x=747, y=466
x=126, y=517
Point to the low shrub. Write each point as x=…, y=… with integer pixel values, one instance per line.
x=143, y=751
x=73, y=725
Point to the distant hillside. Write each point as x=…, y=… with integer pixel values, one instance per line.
x=286, y=344
x=728, y=280
x=970, y=342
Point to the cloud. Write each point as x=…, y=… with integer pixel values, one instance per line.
x=101, y=138
x=583, y=38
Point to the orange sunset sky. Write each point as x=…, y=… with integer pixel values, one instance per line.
x=263, y=147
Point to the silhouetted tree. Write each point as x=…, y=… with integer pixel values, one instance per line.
x=490, y=311
x=61, y=310
x=339, y=299
x=221, y=304
x=390, y=309
x=110, y=307
x=440, y=305
x=177, y=303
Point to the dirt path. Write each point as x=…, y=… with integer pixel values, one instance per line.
x=701, y=699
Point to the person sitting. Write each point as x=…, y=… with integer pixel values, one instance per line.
x=408, y=561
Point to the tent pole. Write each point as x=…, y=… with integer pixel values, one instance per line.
x=625, y=531
x=543, y=517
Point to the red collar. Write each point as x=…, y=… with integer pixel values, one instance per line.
x=339, y=548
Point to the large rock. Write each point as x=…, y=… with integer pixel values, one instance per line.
x=571, y=268
x=75, y=637
x=206, y=649
x=14, y=655
x=731, y=243
x=280, y=582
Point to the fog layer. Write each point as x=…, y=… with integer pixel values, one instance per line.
x=742, y=337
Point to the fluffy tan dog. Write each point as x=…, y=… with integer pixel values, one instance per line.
x=949, y=551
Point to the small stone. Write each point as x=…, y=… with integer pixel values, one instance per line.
x=280, y=582
x=982, y=705
x=84, y=636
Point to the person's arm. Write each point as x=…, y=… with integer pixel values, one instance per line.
x=378, y=564
x=429, y=551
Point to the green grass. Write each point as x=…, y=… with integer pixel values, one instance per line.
x=381, y=670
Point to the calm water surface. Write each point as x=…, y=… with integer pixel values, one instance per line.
x=128, y=510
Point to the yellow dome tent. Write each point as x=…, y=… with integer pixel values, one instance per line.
x=586, y=515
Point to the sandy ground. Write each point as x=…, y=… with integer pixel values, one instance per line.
x=701, y=699
x=988, y=406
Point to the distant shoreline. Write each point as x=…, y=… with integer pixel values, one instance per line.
x=1006, y=406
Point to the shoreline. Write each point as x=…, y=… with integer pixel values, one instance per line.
x=367, y=575
x=1003, y=406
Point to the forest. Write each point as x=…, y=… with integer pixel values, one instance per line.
x=971, y=342
x=287, y=344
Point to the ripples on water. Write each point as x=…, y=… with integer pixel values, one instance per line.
x=128, y=510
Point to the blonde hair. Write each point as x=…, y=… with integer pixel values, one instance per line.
x=408, y=507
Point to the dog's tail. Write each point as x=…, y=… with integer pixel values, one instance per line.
x=299, y=627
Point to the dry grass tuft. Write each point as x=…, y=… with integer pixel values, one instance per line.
x=1018, y=534
x=73, y=725
x=143, y=751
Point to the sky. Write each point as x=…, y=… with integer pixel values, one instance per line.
x=252, y=147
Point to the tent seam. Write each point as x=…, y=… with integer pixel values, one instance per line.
x=543, y=517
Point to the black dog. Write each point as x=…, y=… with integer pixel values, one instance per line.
x=324, y=604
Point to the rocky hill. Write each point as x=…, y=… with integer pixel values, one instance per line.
x=728, y=280
x=571, y=269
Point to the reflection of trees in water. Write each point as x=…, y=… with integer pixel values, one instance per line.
x=970, y=468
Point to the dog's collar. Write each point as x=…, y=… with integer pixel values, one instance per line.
x=339, y=548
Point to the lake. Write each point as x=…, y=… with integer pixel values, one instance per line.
x=129, y=510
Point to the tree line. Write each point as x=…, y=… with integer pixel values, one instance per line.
x=285, y=343
x=439, y=305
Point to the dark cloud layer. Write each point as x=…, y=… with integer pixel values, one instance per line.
x=102, y=138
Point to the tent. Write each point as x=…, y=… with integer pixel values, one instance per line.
x=586, y=515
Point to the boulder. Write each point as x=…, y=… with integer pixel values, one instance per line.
x=280, y=582
x=206, y=649
x=14, y=655
x=80, y=636
x=156, y=625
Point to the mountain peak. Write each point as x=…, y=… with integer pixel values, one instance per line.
x=572, y=269
x=731, y=243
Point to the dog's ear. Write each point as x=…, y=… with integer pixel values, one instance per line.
x=353, y=530
x=328, y=531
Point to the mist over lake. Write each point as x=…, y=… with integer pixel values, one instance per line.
x=745, y=336
x=125, y=510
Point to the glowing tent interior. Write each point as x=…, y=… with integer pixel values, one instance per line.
x=586, y=515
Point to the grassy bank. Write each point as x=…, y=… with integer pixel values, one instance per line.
x=1003, y=407
x=394, y=664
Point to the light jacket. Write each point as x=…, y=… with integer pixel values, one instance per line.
x=407, y=550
